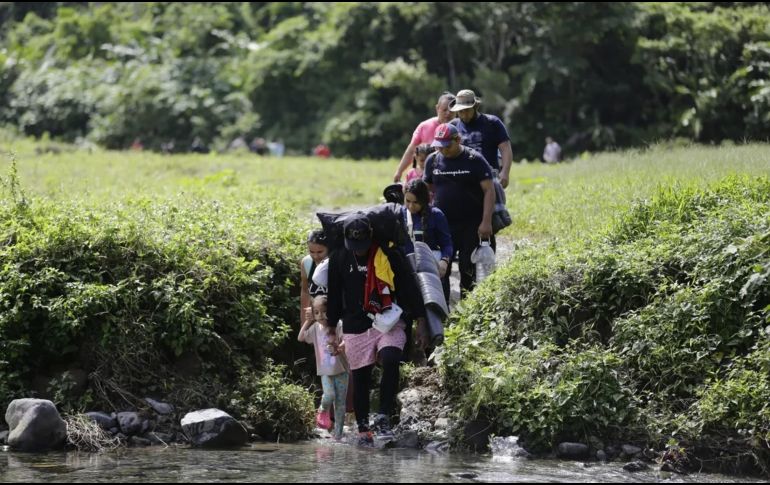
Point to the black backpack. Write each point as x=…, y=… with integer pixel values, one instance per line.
x=386, y=220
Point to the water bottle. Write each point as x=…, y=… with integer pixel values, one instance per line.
x=484, y=259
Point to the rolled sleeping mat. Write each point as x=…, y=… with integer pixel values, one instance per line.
x=433, y=293
x=426, y=262
x=435, y=326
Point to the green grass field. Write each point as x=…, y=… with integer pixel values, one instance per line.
x=576, y=199
x=547, y=202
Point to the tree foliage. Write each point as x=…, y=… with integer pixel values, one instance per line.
x=360, y=75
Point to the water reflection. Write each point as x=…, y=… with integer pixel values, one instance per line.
x=311, y=462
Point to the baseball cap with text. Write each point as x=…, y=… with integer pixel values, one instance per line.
x=444, y=135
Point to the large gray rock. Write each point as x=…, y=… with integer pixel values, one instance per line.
x=35, y=425
x=213, y=428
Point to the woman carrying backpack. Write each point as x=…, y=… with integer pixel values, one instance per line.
x=429, y=225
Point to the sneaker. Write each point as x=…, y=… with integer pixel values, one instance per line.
x=365, y=438
x=323, y=420
x=382, y=426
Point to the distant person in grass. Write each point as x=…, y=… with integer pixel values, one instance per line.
x=484, y=133
x=322, y=151
x=552, y=152
x=424, y=132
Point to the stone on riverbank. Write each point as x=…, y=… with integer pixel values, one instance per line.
x=104, y=420
x=408, y=439
x=161, y=408
x=213, y=428
x=631, y=450
x=35, y=425
x=131, y=423
x=573, y=451
x=635, y=466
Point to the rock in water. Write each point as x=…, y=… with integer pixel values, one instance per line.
x=213, y=428
x=35, y=425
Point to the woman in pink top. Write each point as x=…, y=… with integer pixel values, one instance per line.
x=424, y=132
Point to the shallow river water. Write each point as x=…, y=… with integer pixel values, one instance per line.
x=310, y=462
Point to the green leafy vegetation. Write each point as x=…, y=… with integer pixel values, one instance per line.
x=127, y=291
x=655, y=329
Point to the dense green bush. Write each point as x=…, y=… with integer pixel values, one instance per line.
x=129, y=291
x=655, y=323
x=275, y=409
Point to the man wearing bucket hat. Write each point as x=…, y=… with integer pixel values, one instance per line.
x=461, y=181
x=484, y=133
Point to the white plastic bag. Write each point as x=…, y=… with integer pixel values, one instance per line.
x=385, y=321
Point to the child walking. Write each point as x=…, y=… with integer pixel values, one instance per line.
x=418, y=166
x=331, y=364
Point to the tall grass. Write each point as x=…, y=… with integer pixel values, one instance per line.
x=548, y=202
x=576, y=199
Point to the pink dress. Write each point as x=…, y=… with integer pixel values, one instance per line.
x=413, y=174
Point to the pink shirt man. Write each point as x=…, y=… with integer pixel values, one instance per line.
x=424, y=132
